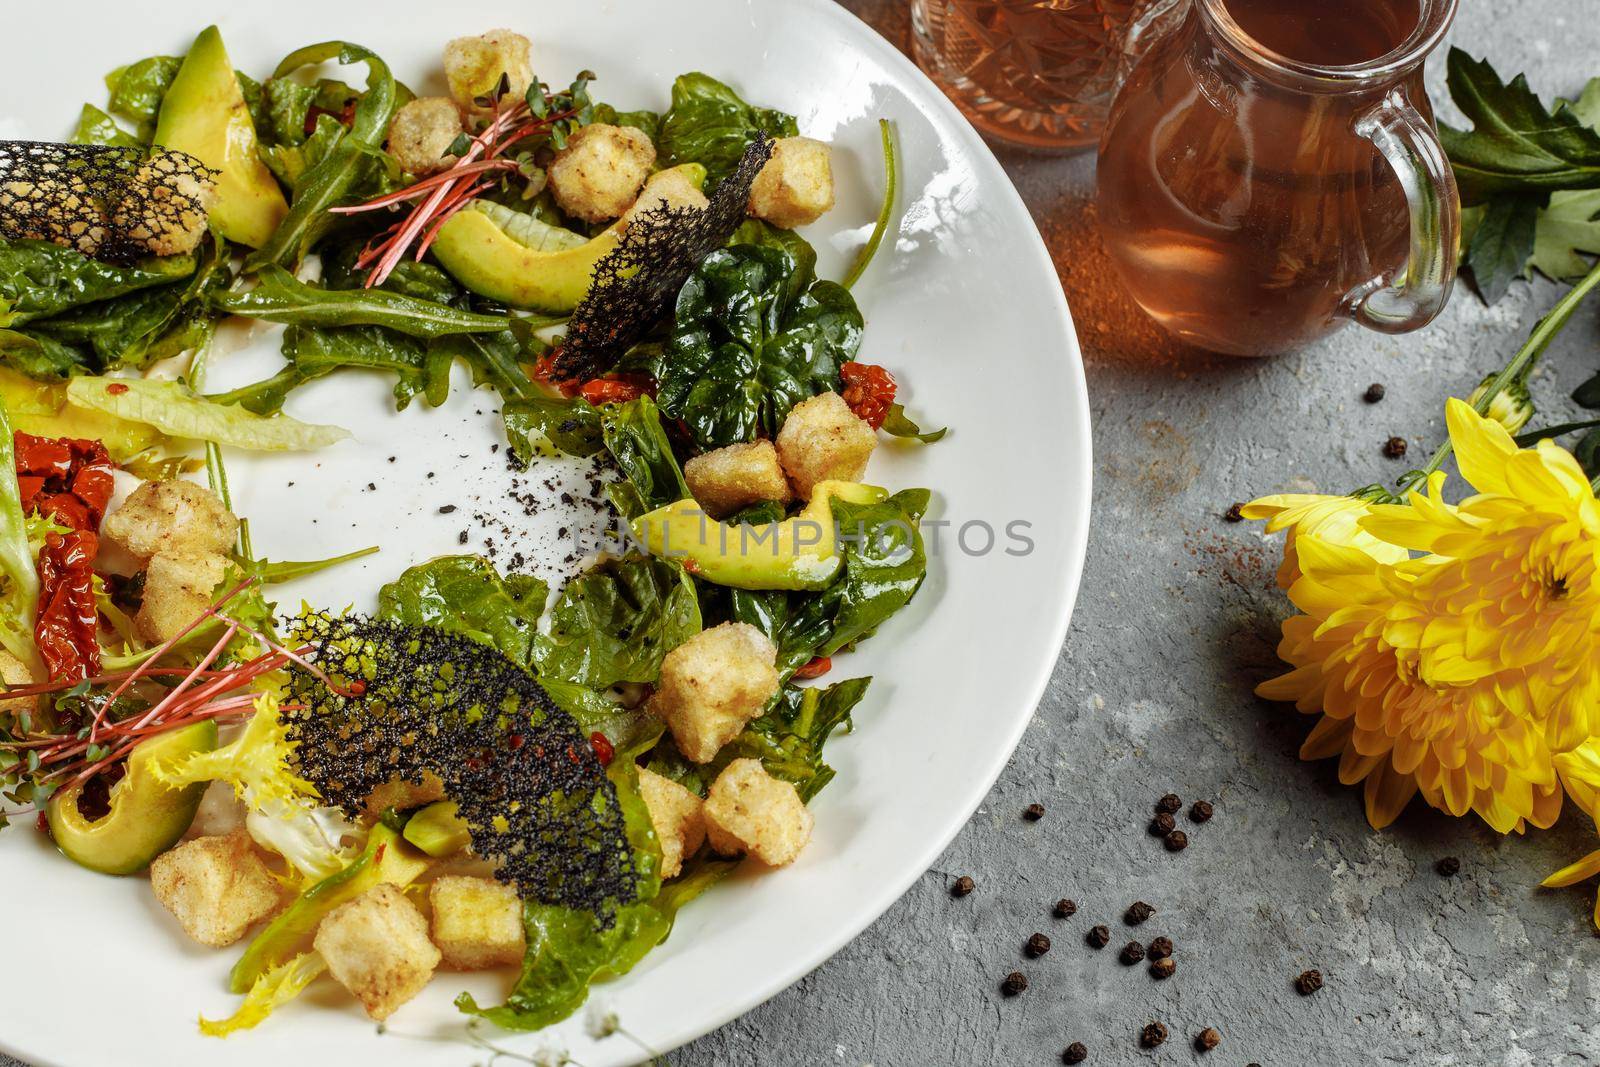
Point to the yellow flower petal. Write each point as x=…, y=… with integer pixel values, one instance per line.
x=1573, y=873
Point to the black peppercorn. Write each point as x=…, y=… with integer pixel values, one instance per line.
x=1201, y=811
x=1163, y=968
x=1152, y=1035
x=1207, y=1039
x=1037, y=946
x=1169, y=803
x=1162, y=825
x=1160, y=948
x=1176, y=841
x=1033, y=812
x=1394, y=447
x=1065, y=909
x=1132, y=953
x=1308, y=982
x=1234, y=514
x=1137, y=913
x=1098, y=936
x=1015, y=983
x=1448, y=867
x=962, y=886
x=1374, y=393
x=1075, y=1053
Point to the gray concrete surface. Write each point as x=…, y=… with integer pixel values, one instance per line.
x=1175, y=624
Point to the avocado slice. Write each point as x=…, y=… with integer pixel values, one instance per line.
x=41, y=408
x=438, y=830
x=797, y=553
x=385, y=859
x=204, y=114
x=513, y=258
x=146, y=817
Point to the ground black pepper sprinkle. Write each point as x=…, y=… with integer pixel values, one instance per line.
x=1169, y=803
x=1176, y=841
x=461, y=538
x=1162, y=825
x=1137, y=913
x=1394, y=447
x=1160, y=948
x=1152, y=1035
x=1132, y=953
x=1308, y=982
x=1163, y=968
x=1201, y=811
x=1207, y=1039
x=1099, y=936
x=1448, y=867
x=1037, y=946
x=1065, y=909
x=1234, y=514
x=1076, y=1052
x=1033, y=812
x=1015, y=983
x=1374, y=393
x=962, y=886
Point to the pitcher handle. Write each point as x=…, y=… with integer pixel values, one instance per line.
x=1416, y=296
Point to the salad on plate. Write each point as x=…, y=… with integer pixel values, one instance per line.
x=480, y=771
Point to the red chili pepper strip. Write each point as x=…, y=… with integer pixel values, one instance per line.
x=868, y=390
x=603, y=748
x=67, y=621
x=816, y=668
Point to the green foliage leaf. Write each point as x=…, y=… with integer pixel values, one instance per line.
x=897, y=424
x=1568, y=231
x=1502, y=243
x=138, y=89
x=745, y=349
x=710, y=124
x=19, y=579
x=281, y=297
x=171, y=408
x=39, y=279
x=615, y=622
x=534, y=423
x=466, y=595
x=634, y=436
x=96, y=127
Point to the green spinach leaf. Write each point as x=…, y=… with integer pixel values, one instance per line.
x=138, y=89
x=651, y=476
x=466, y=595
x=745, y=349
x=39, y=279
x=616, y=621
x=571, y=427
x=710, y=124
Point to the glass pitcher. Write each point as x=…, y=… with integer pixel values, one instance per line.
x=1271, y=171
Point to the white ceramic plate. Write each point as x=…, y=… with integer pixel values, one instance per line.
x=962, y=304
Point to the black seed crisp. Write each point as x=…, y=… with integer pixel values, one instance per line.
x=1132, y=953
x=1137, y=913
x=1075, y=1053
x=1394, y=447
x=1015, y=983
x=1098, y=936
x=1160, y=948
x=1176, y=841
x=1037, y=946
x=962, y=886
x=1308, y=982
x=1033, y=812
x=1169, y=803
x=1163, y=968
x=1152, y=1035
x=1065, y=909
x=1207, y=1039
x=1201, y=811
x=1162, y=825
x=1448, y=867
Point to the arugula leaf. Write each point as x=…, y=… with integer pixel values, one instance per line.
x=616, y=621
x=39, y=279
x=571, y=427
x=1502, y=243
x=710, y=124
x=348, y=162
x=1517, y=144
x=652, y=478
x=744, y=349
x=466, y=595
x=897, y=424
x=171, y=408
x=281, y=297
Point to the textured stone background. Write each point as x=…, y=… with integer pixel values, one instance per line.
x=1175, y=624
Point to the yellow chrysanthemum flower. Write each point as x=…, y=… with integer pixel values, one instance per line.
x=1458, y=672
x=1580, y=773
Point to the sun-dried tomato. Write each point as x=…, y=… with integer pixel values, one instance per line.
x=617, y=388
x=816, y=668
x=65, y=628
x=544, y=372
x=66, y=479
x=868, y=390
x=346, y=115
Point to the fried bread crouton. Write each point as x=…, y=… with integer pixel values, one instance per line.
x=823, y=440
x=377, y=947
x=795, y=186
x=174, y=517
x=216, y=887
x=597, y=176
x=473, y=67
x=421, y=133
x=675, y=814
x=712, y=685
x=748, y=811
x=477, y=922
x=726, y=480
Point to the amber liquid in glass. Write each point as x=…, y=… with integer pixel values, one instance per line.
x=1242, y=214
